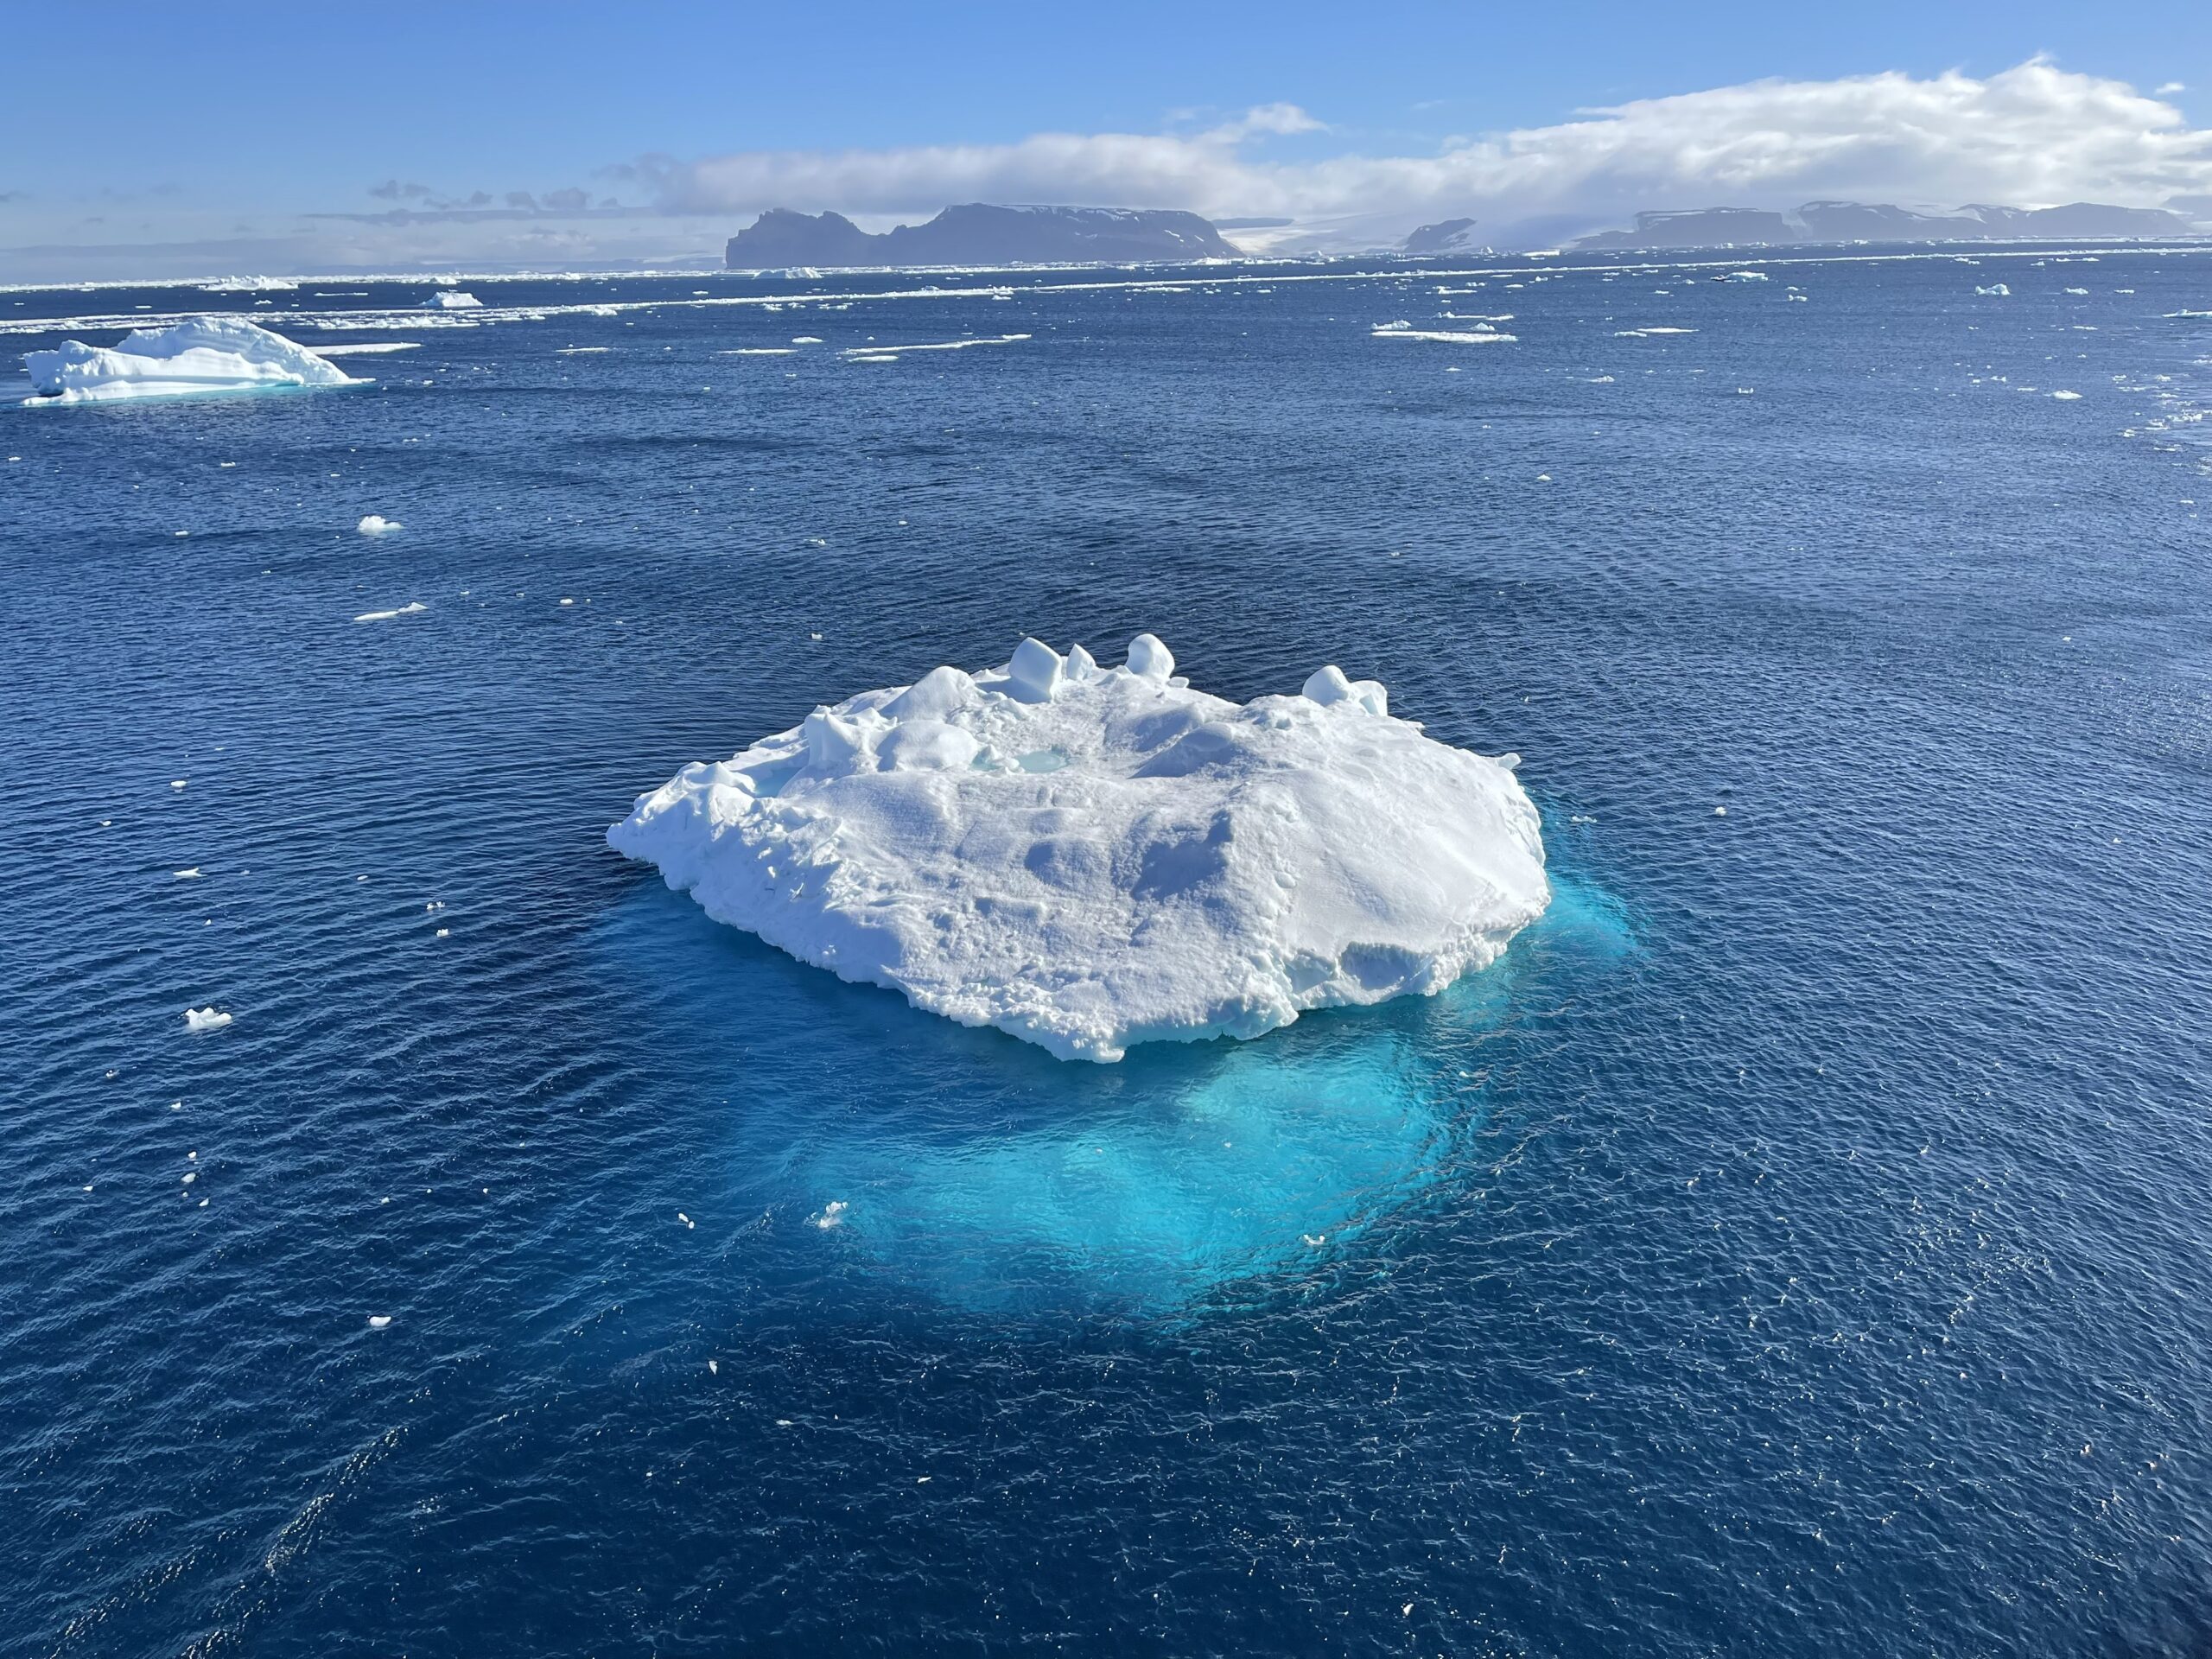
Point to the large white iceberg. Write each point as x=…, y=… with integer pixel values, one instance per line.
x=249, y=285
x=199, y=355
x=1089, y=858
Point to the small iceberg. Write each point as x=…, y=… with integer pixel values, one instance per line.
x=377, y=524
x=249, y=285
x=208, y=1019
x=190, y=359
x=1089, y=858
x=414, y=609
x=1997, y=290
x=454, y=299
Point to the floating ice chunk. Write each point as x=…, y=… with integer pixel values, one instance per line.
x=685, y=1219
x=369, y=348
x=377, y=1321
x=1485, y=336
x=1095, y=858
x=1745, y=277
x=2066, y=397
x=454, y=299
x=377, y=524
x=832, y=1214
x=208, y=1019
x=1997, y=290
x=197, y=356
x=806, y=340
x=869, y=354
x=415, y=608
x=178, y=782
x=192, y=875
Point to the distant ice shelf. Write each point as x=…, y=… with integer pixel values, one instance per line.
x=1089, y=858
x=190, y=359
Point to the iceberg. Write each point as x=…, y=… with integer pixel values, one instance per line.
x=1089, y=858
x=249, y=285
x=187, y=359
x=453, y=299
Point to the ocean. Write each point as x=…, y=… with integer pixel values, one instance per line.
x=1800, y=1243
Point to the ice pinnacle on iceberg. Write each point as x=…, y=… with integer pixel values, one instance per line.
x=1089, y=858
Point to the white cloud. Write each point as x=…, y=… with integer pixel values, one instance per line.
x=2033, y=135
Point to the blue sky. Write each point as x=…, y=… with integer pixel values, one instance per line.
x=127, y=127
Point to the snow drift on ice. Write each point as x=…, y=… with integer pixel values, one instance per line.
x=1089, y=858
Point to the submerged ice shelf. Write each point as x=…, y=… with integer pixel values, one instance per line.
x=1089, y=858
x=188, y=358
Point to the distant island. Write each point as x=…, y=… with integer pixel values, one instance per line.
x=1853, y=221
x=1449, y=236
x=978, y=234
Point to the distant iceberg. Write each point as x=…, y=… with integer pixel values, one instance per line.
x=249, y=285
x=453, y=299
x=1997, y=289
x=188, y=358
x=1091, y=858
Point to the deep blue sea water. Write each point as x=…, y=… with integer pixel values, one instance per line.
x=1800, y=1245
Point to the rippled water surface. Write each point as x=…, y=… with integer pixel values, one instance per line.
x=1800, y=1243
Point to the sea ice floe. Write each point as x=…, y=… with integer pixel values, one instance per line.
x=1997, y=290
x=414, y=609
x=873, y=354
x=1089, y=858
x=377, y=524
x=454, y=299
x=200, y=355
x=206, y=1019
x=1484, y=335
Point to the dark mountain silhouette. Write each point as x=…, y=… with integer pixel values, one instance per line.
x=980, y=234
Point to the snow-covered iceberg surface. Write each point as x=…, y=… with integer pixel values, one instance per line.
x=1089, y=858
x=201, y=354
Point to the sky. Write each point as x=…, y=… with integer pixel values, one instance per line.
x=142, y=140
